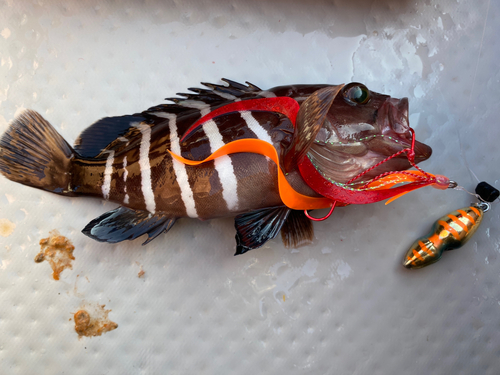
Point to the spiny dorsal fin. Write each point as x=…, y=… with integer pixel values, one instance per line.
x=310, y=119
x=124, y=223
x=297, y=230
x=217, y=93
x=113, y=133
x=215, y=96
x=232, y=88
x=254, y=229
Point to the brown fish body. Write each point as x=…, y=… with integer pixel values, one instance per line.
x=178, y=190
x=127, y=159
x=256, y=186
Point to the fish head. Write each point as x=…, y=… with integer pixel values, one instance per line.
x=361, y=129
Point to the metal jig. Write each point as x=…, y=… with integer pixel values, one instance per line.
x=453, y=230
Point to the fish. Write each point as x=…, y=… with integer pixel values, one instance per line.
x=230, y=149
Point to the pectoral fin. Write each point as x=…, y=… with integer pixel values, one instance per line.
x=255, y=228
x=127, y=224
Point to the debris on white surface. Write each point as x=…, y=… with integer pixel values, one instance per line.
x=141, y=272
x=6, y=227
x=58, y=251
x=92, y=320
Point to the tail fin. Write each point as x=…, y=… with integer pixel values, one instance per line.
x=34, y=154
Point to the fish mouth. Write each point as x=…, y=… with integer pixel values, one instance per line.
x=396, y=136
x=389, y=145
x=422, y=152
x=397, y=163
x=397, y=132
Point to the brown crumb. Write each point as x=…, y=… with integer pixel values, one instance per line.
x=82, y=321
x=141, y=273
x=95, y=323
x=58, y=251
x=6, y=227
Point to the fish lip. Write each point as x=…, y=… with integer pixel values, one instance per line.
x=394, y=143
x=422, y=151
x=397, y=126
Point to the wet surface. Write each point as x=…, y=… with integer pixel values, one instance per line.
x=199, y=310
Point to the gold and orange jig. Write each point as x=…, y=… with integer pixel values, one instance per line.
x=453, y=230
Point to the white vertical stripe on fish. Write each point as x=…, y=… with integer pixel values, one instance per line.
x=145, y=166
x=203, y=107
x=180, y=168
x=254, y=126
x=125, y=175
x=125, y=172
x=106, y=184
x=223, y=166
x=267, y=94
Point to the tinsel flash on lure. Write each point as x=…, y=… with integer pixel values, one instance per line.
x=451, y=231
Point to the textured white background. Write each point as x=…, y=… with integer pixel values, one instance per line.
x=343, y=305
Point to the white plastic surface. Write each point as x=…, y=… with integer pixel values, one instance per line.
x=343, y=305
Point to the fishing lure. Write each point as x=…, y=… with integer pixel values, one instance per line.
x=451, y=231
x=267, y=157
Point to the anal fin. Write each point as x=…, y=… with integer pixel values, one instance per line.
x=124, y=223
x=297, y=230
x=255, y=228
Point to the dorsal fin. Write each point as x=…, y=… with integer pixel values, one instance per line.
x=233, y=88
x=218, y=93
x=109, y=133
x=215, y=96
x=101, y=134
x=310, y=119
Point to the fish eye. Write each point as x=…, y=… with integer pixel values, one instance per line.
x=356, y=93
